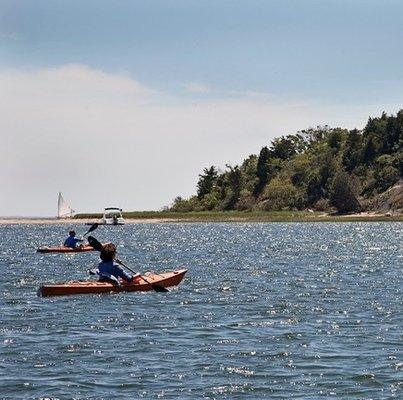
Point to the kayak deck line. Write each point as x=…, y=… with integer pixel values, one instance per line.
x=166, y=279
x=64, y=249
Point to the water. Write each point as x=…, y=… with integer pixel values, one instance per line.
x=272, y=310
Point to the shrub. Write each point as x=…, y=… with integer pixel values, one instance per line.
x=182, y=205
x=342, y=193
x=210, y=201
x=321, y=205
x=246, y=201
x=279, y=195
x=386, y=177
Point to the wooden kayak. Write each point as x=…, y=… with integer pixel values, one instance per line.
x=166, y=279
x=64, y=249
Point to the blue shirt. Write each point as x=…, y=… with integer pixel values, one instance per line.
x=108, y=268
x=72, y=242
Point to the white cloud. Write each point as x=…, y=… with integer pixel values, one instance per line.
x=198, y=88
x=106, y=139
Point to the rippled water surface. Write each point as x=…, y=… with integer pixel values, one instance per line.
x=266, y=311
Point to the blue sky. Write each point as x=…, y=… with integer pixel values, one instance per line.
x=341, y=60
x=335, y=51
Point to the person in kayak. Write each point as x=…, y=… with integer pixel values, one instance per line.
x=72, y=241
x=110, y=271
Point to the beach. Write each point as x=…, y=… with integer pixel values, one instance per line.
x=163, y=217
x=71, y=222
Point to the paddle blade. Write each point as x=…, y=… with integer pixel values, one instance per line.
x=155, y=286
x=92, y=228
x=160, y=289
x=94, y=243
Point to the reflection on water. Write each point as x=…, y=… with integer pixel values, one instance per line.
x=266, y=310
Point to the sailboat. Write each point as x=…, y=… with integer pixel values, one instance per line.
x=63, y=209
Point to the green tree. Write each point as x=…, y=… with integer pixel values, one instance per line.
x=352, y=151
x=206, y=181
x=248, y=169
x=399, y=163
x=335, y=139
x=368, y=151
x=181, y=205
x=314, y=190
x=283, y=148
x=386, y=177
x=246, y=201
x=300, y=168
x=328, y=166
x=386, y=174
x=314, y=135
x=342, y=194
x=280, y=194
x=315, y=165
x=211, y=201
x=262, y=171
x=234, y=187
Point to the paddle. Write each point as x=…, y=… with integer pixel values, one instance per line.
x=92, y=228
x=98, y=246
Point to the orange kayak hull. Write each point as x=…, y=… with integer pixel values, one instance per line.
x=166, y=280
x=64, y=249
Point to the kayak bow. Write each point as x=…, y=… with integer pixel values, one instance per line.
x=166, y=279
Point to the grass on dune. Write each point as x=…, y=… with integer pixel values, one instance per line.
x=252, y=216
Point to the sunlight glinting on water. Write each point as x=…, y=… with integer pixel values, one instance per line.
x=267, y=310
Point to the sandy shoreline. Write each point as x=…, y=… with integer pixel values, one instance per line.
x=73, y=222
x=364, y=216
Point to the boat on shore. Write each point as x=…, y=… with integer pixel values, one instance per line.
x=166, y=280
x=113, y=216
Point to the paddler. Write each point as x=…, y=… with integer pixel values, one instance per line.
x=72, y=241
x=110, y=271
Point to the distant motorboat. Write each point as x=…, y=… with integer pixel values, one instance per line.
x=63, y=208
x=113, y=216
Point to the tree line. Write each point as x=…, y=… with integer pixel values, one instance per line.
x=319, y=168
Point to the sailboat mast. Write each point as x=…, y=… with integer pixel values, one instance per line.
x=59, y=203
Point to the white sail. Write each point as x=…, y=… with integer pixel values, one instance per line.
x=63, y=209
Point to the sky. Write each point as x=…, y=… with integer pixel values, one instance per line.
x=123, y=103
